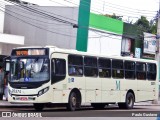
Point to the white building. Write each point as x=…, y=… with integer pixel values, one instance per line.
x=8, y=41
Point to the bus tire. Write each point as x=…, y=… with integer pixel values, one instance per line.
x=72, y=102
x=98, y=105
x=129, y=102
x=38, y=106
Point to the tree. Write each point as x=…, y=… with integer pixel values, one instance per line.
x=153, y=27
x=145, y=26
x=114, y=16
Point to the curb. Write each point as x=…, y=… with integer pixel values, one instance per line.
x=11, y=106
x=148, y=105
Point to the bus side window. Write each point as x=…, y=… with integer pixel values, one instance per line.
x=104, y=66
x=141, y=71
x=117, y=69
x=58, y=70
x=75, y=65
x=90, y=66
x=151, y=71
x=129, y=69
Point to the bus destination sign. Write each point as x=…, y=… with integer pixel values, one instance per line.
x=26, y=52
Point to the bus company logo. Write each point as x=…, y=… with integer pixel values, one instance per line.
x=70, y=80
x=6, y=114
x=16, y=91
x=117, y=85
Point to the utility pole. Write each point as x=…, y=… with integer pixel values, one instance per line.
x=158, y=54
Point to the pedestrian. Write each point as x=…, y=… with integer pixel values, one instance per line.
x=6, y=86
x=1, y=83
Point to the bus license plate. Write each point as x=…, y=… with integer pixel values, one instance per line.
x=24, y=98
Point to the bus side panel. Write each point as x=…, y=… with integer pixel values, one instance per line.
x=110, y=91
x=69, y=83
x=125, y=86
x=145, y=90
x=93, y=89
x=60, y=86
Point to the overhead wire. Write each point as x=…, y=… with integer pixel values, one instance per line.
x=115, y=11
x=36, y=25
x=59, y=21
x=44, y=14
x=37, y=20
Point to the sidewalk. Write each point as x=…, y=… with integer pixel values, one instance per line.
x=6, y=104
x=147, y=103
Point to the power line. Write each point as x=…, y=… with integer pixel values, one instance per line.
x=45, y=14
x=79, y=26
x=42, y=11
x=129, y=8
x=82, y=26
x=107, y=11
x=36, y=26
x=124, y=7
x=51, y=23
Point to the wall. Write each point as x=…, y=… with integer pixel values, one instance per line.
x=107, y=40
x=104, y=45
x=1, y=22
x=31, y=25
x=8, y=41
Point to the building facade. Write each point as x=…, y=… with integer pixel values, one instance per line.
x=8, y=40
x=41, y=30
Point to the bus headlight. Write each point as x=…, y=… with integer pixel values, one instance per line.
x=41, y=92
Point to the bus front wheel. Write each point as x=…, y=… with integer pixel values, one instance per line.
x=129, y=103
x=38, y=106
x=72, y=102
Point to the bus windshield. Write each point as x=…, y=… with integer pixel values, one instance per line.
x=29, y=69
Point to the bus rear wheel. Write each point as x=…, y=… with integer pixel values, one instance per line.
x=129, y=103
x=38, y=106
x=72, y=102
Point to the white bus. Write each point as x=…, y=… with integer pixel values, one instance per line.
x=53, y=76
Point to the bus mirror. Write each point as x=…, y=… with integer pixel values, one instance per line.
x=6, y=62
x=7, y=66
x=53, y=67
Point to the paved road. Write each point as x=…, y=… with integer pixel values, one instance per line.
x=141, y=111
x=87, y=111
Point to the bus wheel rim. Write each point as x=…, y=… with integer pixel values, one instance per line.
x=130, y=101
x=73, y=101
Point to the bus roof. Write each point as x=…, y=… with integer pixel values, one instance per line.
x=72, y=51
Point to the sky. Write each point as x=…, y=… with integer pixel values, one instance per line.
x=131, y=10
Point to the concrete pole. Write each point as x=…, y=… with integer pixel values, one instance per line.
x=158, y=54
